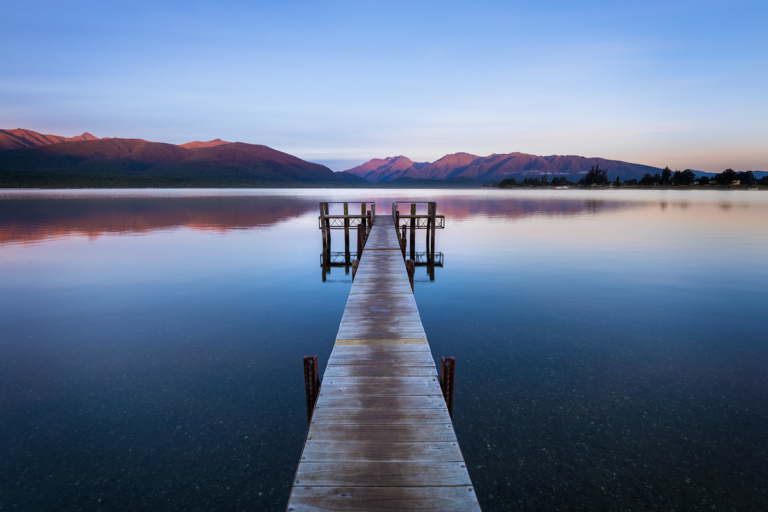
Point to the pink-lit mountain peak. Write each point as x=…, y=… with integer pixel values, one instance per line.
x=495, y=167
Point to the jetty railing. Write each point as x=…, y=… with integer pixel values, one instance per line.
x=362, y=223
x=430, y=222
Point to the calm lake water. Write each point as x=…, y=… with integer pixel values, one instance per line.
x=611, y=346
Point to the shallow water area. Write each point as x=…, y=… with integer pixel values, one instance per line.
x=610, y=344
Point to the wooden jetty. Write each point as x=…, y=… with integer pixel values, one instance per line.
x=380, y=433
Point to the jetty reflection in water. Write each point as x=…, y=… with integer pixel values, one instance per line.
x=610, y=345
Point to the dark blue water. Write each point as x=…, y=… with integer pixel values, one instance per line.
x=611, y=345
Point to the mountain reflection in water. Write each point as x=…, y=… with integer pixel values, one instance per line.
x=37, y=217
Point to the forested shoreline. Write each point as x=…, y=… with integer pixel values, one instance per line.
x=597, y=177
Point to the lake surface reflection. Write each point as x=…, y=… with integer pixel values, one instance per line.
x=610, y=345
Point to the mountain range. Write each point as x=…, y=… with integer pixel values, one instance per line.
x=496, y=167
x=28, y=158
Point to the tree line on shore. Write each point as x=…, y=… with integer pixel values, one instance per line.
x=597, y=177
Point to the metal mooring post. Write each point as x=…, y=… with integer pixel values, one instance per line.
x=448, y=365
x=311, y=384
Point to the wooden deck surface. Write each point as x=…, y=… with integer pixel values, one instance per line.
x=381, y=437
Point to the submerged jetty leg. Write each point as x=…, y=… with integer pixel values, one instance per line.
x=381, y=436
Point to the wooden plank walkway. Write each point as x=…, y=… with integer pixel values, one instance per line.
x=381, y=437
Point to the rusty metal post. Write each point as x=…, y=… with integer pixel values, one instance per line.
x=346, y=233
x=311, y=384
x=413, y=231
x=410, y=267
x=448, y=368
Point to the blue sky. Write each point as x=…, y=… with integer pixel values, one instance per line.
x=683, y=84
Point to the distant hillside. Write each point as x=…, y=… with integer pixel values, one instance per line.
x=135, y=162
x=199, y=144
x=465, y=166
x=20, y=138
x=388, y=169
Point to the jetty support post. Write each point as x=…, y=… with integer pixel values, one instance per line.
x=362, y=212
x=370, y=220
x=432, y=223
x=413, y=231
x=327, y=224
x=346, y=233
x=410, y=267
x=447, y=371
x=397, y=218
x=311, y=384
x=355, y=264
x=373, y=211
x=403, y=243
x=359, y=241
x=322, y=230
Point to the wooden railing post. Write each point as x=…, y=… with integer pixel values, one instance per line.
x=447, y=373
x=311, y=384
x=327, y=231
x=359, y=241
x=432, y=223
x=346, y=233
x=413, y=231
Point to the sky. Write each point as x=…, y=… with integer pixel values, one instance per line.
x=669, y=83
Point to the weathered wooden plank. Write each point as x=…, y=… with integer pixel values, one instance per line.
x=382, y=381
x=381, y=402
x=425, y=388
x=382, y=433
x=383, y=499
x=398, y=360
x=363, y=416
x=368, y=370
x=328, y=451
x=382, y=474
x=380, y=342
x=374, y=333
x=382, y=350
